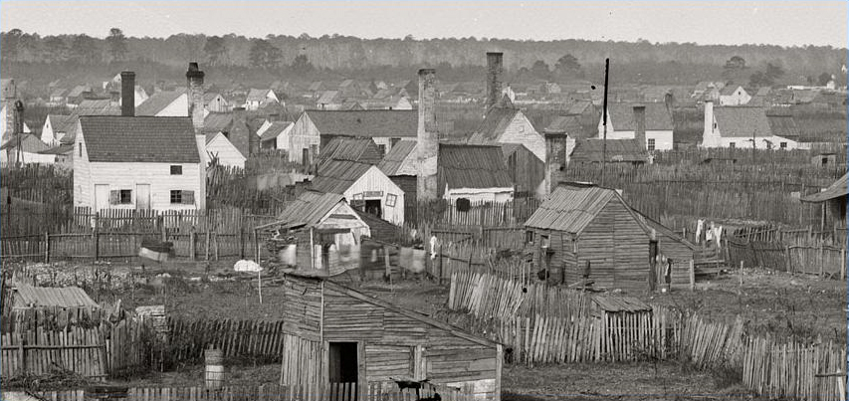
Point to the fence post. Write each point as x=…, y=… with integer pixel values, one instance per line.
x=192, y=245
x=440, y=263
x=843, y=263
x=822, y=256
x=208, y=235
x=96, y=236
x=242, y=243
x=46, y=247
x=164, y=232
x=788, y=262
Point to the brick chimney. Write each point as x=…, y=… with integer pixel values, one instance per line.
x=640, y=125
x=194, y=92
x=494, y=69
x=128, y=93
x=556, y=154
x=18, y=116
x=427, y=148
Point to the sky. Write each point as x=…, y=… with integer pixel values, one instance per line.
x=784, y=23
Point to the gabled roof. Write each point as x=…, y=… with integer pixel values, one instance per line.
x=217, y=122
x=495, y=122
x=328, y=97
x=579, y=107
x=570, y=125
x=618, y=150
x=357, y=149
x=394, y=159
x=276, y=129
x=571, y=209
x=210, y=96
x=139, y=139
x=257, y=95
x=309, y=208
x=471, y=166
x=158, y=102
x=68, y=297
x=366, y=123
x=62, y=123
x=336, y=176
x=742, y=122
x=29, y=143
x=78, y=91
x=784, y=126
x=730, y=89
x=58, y=93
x=315, y=86
x=622, y=117
x=836, y=190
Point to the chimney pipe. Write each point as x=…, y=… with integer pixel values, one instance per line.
x=194, y=92
x=427, y=135
x=494, y=69
x=128, y=93
x=556, y=155
x=18, y=114
x=640, y=125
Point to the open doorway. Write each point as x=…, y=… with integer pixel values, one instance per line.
x=343, y=363
x=373, y=207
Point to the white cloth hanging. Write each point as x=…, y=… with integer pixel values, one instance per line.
x=709, y=233
x=699, y=228
x=433, y=242
x=718, y=236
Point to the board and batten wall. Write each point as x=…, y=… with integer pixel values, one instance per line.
x=522, y=131
x=304, y=135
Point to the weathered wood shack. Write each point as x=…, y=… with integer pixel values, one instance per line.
x=579, y=225
x=318, y=232
x=334, y=334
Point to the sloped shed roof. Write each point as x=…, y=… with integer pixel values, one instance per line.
x=367, y=123
x=836, y=190
x=741, y=121
x=394, y=159
x=309, y=208
x=350, y=148
x=657, y=117
x=471, y=166
x=336, y=176
x=621, y=150
x=67, y=297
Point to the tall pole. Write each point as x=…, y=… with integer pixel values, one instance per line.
x=604, y=123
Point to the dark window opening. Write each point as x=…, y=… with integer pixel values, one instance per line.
x=373, y=207
x=177, y=196
x=305, y=154
x=126, y=196
x=463, y=205
x=382, y=149
x=343, y=363
x=529, y=237
x=824, y=161
x=176, y=170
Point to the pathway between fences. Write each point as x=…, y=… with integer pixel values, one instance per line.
x=544, y=324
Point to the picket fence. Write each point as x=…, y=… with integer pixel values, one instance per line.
x=822, y=260
x=236, y=338
x=805, y=372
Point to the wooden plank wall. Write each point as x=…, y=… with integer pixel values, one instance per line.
x=822, y=260
x=302, y=367
x=235, y=338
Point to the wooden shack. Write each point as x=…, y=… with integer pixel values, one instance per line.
x=671, y=246
x=317, y=232
x=335, y=335
x=579, y=225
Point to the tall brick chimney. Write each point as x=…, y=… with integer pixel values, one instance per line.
x=194, y=91
x=494, y=69
x=640, y=125
x=556, y=154
x=128, y=93
x=427, y=148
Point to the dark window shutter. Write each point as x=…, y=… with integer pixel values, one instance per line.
x=114, y=197
x=188, y=197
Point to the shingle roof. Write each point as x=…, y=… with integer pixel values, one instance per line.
x=366, y=123
x=570, y=209
x=217, y=122
x=622, y=150
x=336, y=176
x=158, y=102
x=275, y=130
x=350, y=148
x=565, y=124
x=66, y=124
x=836, y=190
x=784, y=126
x=495, y=122
x=101, y=107
x=68, y=297
x=729, y=90
x=29, y=143
x=78, y=91
x=257, y=95
x=657, y=117
x=328, y=97
x=742, y=121
x=471, y=166
x=309, y=208
x=140, y=139
x=394, y=159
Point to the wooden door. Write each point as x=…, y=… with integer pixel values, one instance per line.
x=142, y=196
x=101, y=197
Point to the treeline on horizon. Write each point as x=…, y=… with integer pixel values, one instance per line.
x=235, y=58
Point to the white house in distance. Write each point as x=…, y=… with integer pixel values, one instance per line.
x=504, y=124
x=622, y=124
x=277, y=135
x=368, y=188
x=138, y=163
x=740, y=126
x=29, y=151
x=258, y=98
x=734, y=95
x=57, y=128
x=220, y=149
x=476, y=173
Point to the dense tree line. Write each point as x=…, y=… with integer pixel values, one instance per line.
x=639, y=62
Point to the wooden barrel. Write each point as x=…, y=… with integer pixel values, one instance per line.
x=214, y=368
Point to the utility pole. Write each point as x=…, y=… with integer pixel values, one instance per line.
x=754, y=144
x=604, y=123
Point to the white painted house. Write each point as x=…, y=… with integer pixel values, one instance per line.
x=622, y=124
x=734, y=95
x=505, y=124
x=277, y=135
x=741, y=127
x=58, y=128
x=165, y=104
x=368, y=188
x=476, y=173
x=219, y=147
x=138, y=163
x=6, y=121
x=258, y=98
x=27, y=150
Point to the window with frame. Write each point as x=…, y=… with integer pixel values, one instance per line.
x=180, y=197
x=650, y=145
x=176, y=197
x=176, y=170
x=529, y=237
x=81, y=149
x=391, y=199
x=121, y=197
x=732, y=145
x=544, y=241
x=382, y=149
x=782, y=145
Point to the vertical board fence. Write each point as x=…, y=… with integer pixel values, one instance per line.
x=236, y=338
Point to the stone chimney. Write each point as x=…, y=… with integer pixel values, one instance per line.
x=194, y=92
x=427, y=147
x=494, y=69
x=640, y=125
x=128, y=93
x=556, y=154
